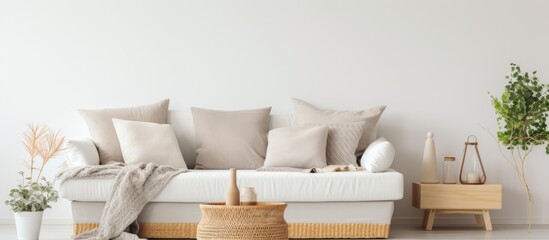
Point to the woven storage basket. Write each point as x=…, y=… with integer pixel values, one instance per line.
x=261, y=221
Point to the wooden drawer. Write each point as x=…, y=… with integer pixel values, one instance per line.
x=456, y=196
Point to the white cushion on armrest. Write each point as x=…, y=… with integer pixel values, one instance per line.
x=81, y=151
x=379, y=156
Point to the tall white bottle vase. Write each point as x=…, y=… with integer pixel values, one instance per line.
x=429, y=170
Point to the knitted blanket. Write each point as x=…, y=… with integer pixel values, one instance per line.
x=134, y=187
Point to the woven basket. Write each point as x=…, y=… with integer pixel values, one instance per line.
x=261, y=221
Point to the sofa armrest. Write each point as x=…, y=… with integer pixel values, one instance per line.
x=81, y=151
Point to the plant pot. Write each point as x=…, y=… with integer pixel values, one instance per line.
x=28, y=225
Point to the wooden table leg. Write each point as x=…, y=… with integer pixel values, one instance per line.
x=425, y=216
x=487, y=221
x=480, y=219
x=430, y=219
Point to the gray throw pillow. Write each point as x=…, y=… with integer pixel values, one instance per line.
x=343, y=139
x=231, y=139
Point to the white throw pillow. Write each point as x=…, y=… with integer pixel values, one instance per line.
x=297, y=147
x=379, y=156
x=81, y=151
x=145, y=142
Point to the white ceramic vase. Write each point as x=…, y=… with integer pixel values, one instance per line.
x=248, y=196
x=28, y=225
x=429, y=170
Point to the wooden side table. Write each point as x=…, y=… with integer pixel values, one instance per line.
x=457, y=199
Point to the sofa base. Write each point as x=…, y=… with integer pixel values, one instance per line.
x=305, y=219
x=295, y=230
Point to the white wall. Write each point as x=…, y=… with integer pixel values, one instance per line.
x=430, y=62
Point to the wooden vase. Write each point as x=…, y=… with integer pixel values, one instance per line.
x=233, y=195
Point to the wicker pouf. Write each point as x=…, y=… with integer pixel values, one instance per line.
x=262, y=221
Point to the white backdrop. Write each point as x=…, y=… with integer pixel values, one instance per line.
x=431, y=62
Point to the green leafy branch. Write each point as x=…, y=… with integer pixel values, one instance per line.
x=522, y=111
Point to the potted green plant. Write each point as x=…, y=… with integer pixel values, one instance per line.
x=522, y=111
x=34, y=194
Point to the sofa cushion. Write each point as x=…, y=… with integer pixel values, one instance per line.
x=379, y=156
x=102, y=130
x=343, y=139
x=306, y=113
x=81, y=151
x=210, y=185
x=297, y=147
x=231, y=139
x=145, y=142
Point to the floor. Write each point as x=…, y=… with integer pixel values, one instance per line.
x=61, y=232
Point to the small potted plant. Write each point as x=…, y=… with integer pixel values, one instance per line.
x=34, y=194
x=522, y=112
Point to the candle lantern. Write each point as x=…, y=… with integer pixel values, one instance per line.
x=472, y=170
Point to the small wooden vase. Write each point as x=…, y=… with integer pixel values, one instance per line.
x=233, y=195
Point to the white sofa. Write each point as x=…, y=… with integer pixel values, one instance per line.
x=324, y=205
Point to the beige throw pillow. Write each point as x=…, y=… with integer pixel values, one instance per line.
x=306, y=113
x=102, y=129
x=231, y=139
x=145, y=142
x=342, y=142
x=297, y=147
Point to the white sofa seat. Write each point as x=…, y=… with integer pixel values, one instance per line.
x=198, y=186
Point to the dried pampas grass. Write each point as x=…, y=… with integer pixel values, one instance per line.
x=41, y=142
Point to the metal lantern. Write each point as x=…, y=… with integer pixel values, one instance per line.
x=473, y=175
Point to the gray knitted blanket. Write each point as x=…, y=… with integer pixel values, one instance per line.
x=134, y=187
